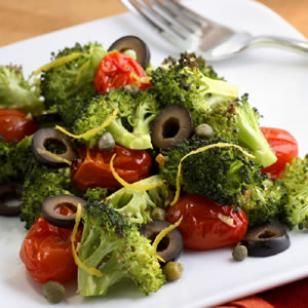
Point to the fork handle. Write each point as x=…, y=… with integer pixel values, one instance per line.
x=280, y=42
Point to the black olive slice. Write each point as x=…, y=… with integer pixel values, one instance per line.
x=136, y=44
x=267, y=240
x=51, y=147
x=171, y=126
x=171, y=245
x=10, y=199
x=61, y=210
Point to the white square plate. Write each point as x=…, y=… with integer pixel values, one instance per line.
x=277, y=82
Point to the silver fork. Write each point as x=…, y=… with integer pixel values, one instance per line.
x=191, y=31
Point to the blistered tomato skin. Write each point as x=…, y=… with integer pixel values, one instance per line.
x=117, y=70
x=93, y=169
x=207, y=225
x=47, y=253
x=15, y=125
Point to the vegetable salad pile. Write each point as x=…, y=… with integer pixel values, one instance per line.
x=116, y=166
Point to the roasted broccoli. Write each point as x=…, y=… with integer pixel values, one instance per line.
x=17, y=92
x=185, y=82
x=131, y=124
x=227, y=176
x=211, y=101
x=40, y=183
x=220, y=173
x=97, y=193
x=117, y=250
x=67, y=82
x=295, y=208
x=263, y=202
x=136, y=205
x=15, y=159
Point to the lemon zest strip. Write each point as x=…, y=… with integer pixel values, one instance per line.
x=91, y=132
x=162, y=234
x=90, y=270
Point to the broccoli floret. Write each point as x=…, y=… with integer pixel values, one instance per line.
x=263, y=202
x=237, y=122
x=130, y=127
x=137, y=205
x=118, y=250
x=185, y=83
x=97, y=193
x=16, y=92
x=295, y=209
x=15, y=159
x=67, y=83
x=42, y=182
x=227, y=176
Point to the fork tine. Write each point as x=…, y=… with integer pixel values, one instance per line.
x=189, y=13
x=159, y=24
x=163, y=8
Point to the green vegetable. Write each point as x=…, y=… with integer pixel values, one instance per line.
x=239, y=252
x=67, y=83
x=262, y=202
x=295, y=208
x=15, y=160
x=185, y=83
x=221, y=174
x=173, y=270
x=158, y=214
x=118, y=250
x=42, y=182
x=17, y=92
x=137, y=205
x=131, y=126
x=54, y=292
x=94, y=194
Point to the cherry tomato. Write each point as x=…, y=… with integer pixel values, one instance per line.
x=284, y=145
x=93, y=170
x=206, y=224
x=46, y=253
x=117, y=70
x=15, y=125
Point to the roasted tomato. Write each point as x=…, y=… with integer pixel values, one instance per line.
x=47, y=254
x=206, y=224
x=15, y=125
x=117, y=70
x=285, y=147
x=93, y=169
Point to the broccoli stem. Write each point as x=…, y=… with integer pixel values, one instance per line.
x=252, y=137
x=132, y=140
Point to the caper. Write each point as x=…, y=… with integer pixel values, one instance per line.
x=131, y=53
x=158, y=214
x=204, y=130
x=106, y=142
x=54, y=292
x=173, y=270
x=239, y=252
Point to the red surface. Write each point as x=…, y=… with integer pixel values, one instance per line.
x=294, y=295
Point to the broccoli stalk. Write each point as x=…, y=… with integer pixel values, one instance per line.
x=118, y=250
x=137, y=205
x=17, y=92
x=295, y=207
x=250, y=135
